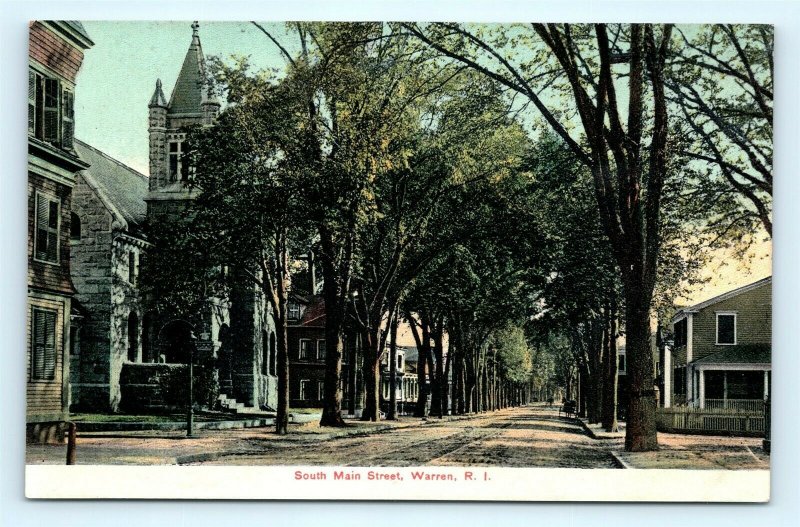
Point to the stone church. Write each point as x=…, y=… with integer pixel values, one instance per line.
x=123, y=346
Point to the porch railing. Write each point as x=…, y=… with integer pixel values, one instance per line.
x=745, y=405
x=711, y=421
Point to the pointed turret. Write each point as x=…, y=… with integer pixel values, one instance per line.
x=158, y=99
x=191, y=91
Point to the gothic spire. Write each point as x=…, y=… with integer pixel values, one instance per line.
x=158, y=98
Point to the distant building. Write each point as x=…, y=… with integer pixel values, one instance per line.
x=55, y=54
x=721, y=354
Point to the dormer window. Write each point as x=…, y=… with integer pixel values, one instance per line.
x=293, y=311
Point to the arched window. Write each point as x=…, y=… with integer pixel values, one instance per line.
x=273, y=355
x=147, y=338
x=133, y=337
x=74, y=227
x=175, y=342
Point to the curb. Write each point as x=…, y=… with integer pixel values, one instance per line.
x=90, y=427
x=619, y=461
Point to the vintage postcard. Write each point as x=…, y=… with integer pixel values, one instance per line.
x=399, y=260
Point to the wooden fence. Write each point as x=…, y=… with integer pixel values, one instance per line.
x=719, y=421
x=745, y=405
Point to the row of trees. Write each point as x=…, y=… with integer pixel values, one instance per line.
x=512, y=190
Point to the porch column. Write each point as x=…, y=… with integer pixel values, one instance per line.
x=690, y=396
x=667, y=376
x=766, y=384
x=702, y=388
x=724, y=389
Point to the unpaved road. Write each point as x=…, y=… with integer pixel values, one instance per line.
x=521, y=437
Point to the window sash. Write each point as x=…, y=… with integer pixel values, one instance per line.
x=321, y=349
x=306, y=349
x=43, y=360
x=304, y=389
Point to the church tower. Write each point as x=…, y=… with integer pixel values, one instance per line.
x=190, y=104
x=234, y=330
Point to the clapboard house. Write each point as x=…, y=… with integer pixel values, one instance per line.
x=55, y=55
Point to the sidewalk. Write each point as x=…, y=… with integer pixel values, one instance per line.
x=160, y=447
x=685, y=451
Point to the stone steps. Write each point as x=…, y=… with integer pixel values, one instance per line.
x=232, y=405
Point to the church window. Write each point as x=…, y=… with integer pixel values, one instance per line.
x=48, y=213
x=175, y=162
x=132, y=268
x=74, y=227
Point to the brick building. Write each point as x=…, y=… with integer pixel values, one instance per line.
x=55, y=56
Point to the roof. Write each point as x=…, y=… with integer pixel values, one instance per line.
x=740, y=354
x=117, y=183
x=78, y=28
x=719, y=298
x=190, y=91
x=158, y=98
x=314, y=314
x=412, y=354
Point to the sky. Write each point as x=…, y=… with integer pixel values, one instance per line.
x=119, y=73
x=118, y=77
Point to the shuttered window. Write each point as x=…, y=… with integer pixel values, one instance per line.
x=47, y=223
x=43, y=361
x=32, y=79
x=51, y=110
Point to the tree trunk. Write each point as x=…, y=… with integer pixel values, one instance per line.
x=609, y=419
x=640, y=429
x=424, y=362
x=372, y=359
x=440, y=391
x=392, y=412
x=282, y=419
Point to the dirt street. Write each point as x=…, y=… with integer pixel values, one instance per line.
x=533, y=436
x=522, y=437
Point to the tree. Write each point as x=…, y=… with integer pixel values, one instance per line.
x=721, y=82
x=250, y=205
x=628, y=169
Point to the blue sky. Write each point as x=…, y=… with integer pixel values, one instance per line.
x=119, y=74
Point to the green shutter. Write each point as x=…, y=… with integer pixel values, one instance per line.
x=42, y=217
x=47, y=223
x=31, y=103
x=43, y=363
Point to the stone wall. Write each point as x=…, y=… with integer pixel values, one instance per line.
x=100, y=263
x=91, y=275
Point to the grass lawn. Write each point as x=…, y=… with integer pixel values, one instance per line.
x=305, y=410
